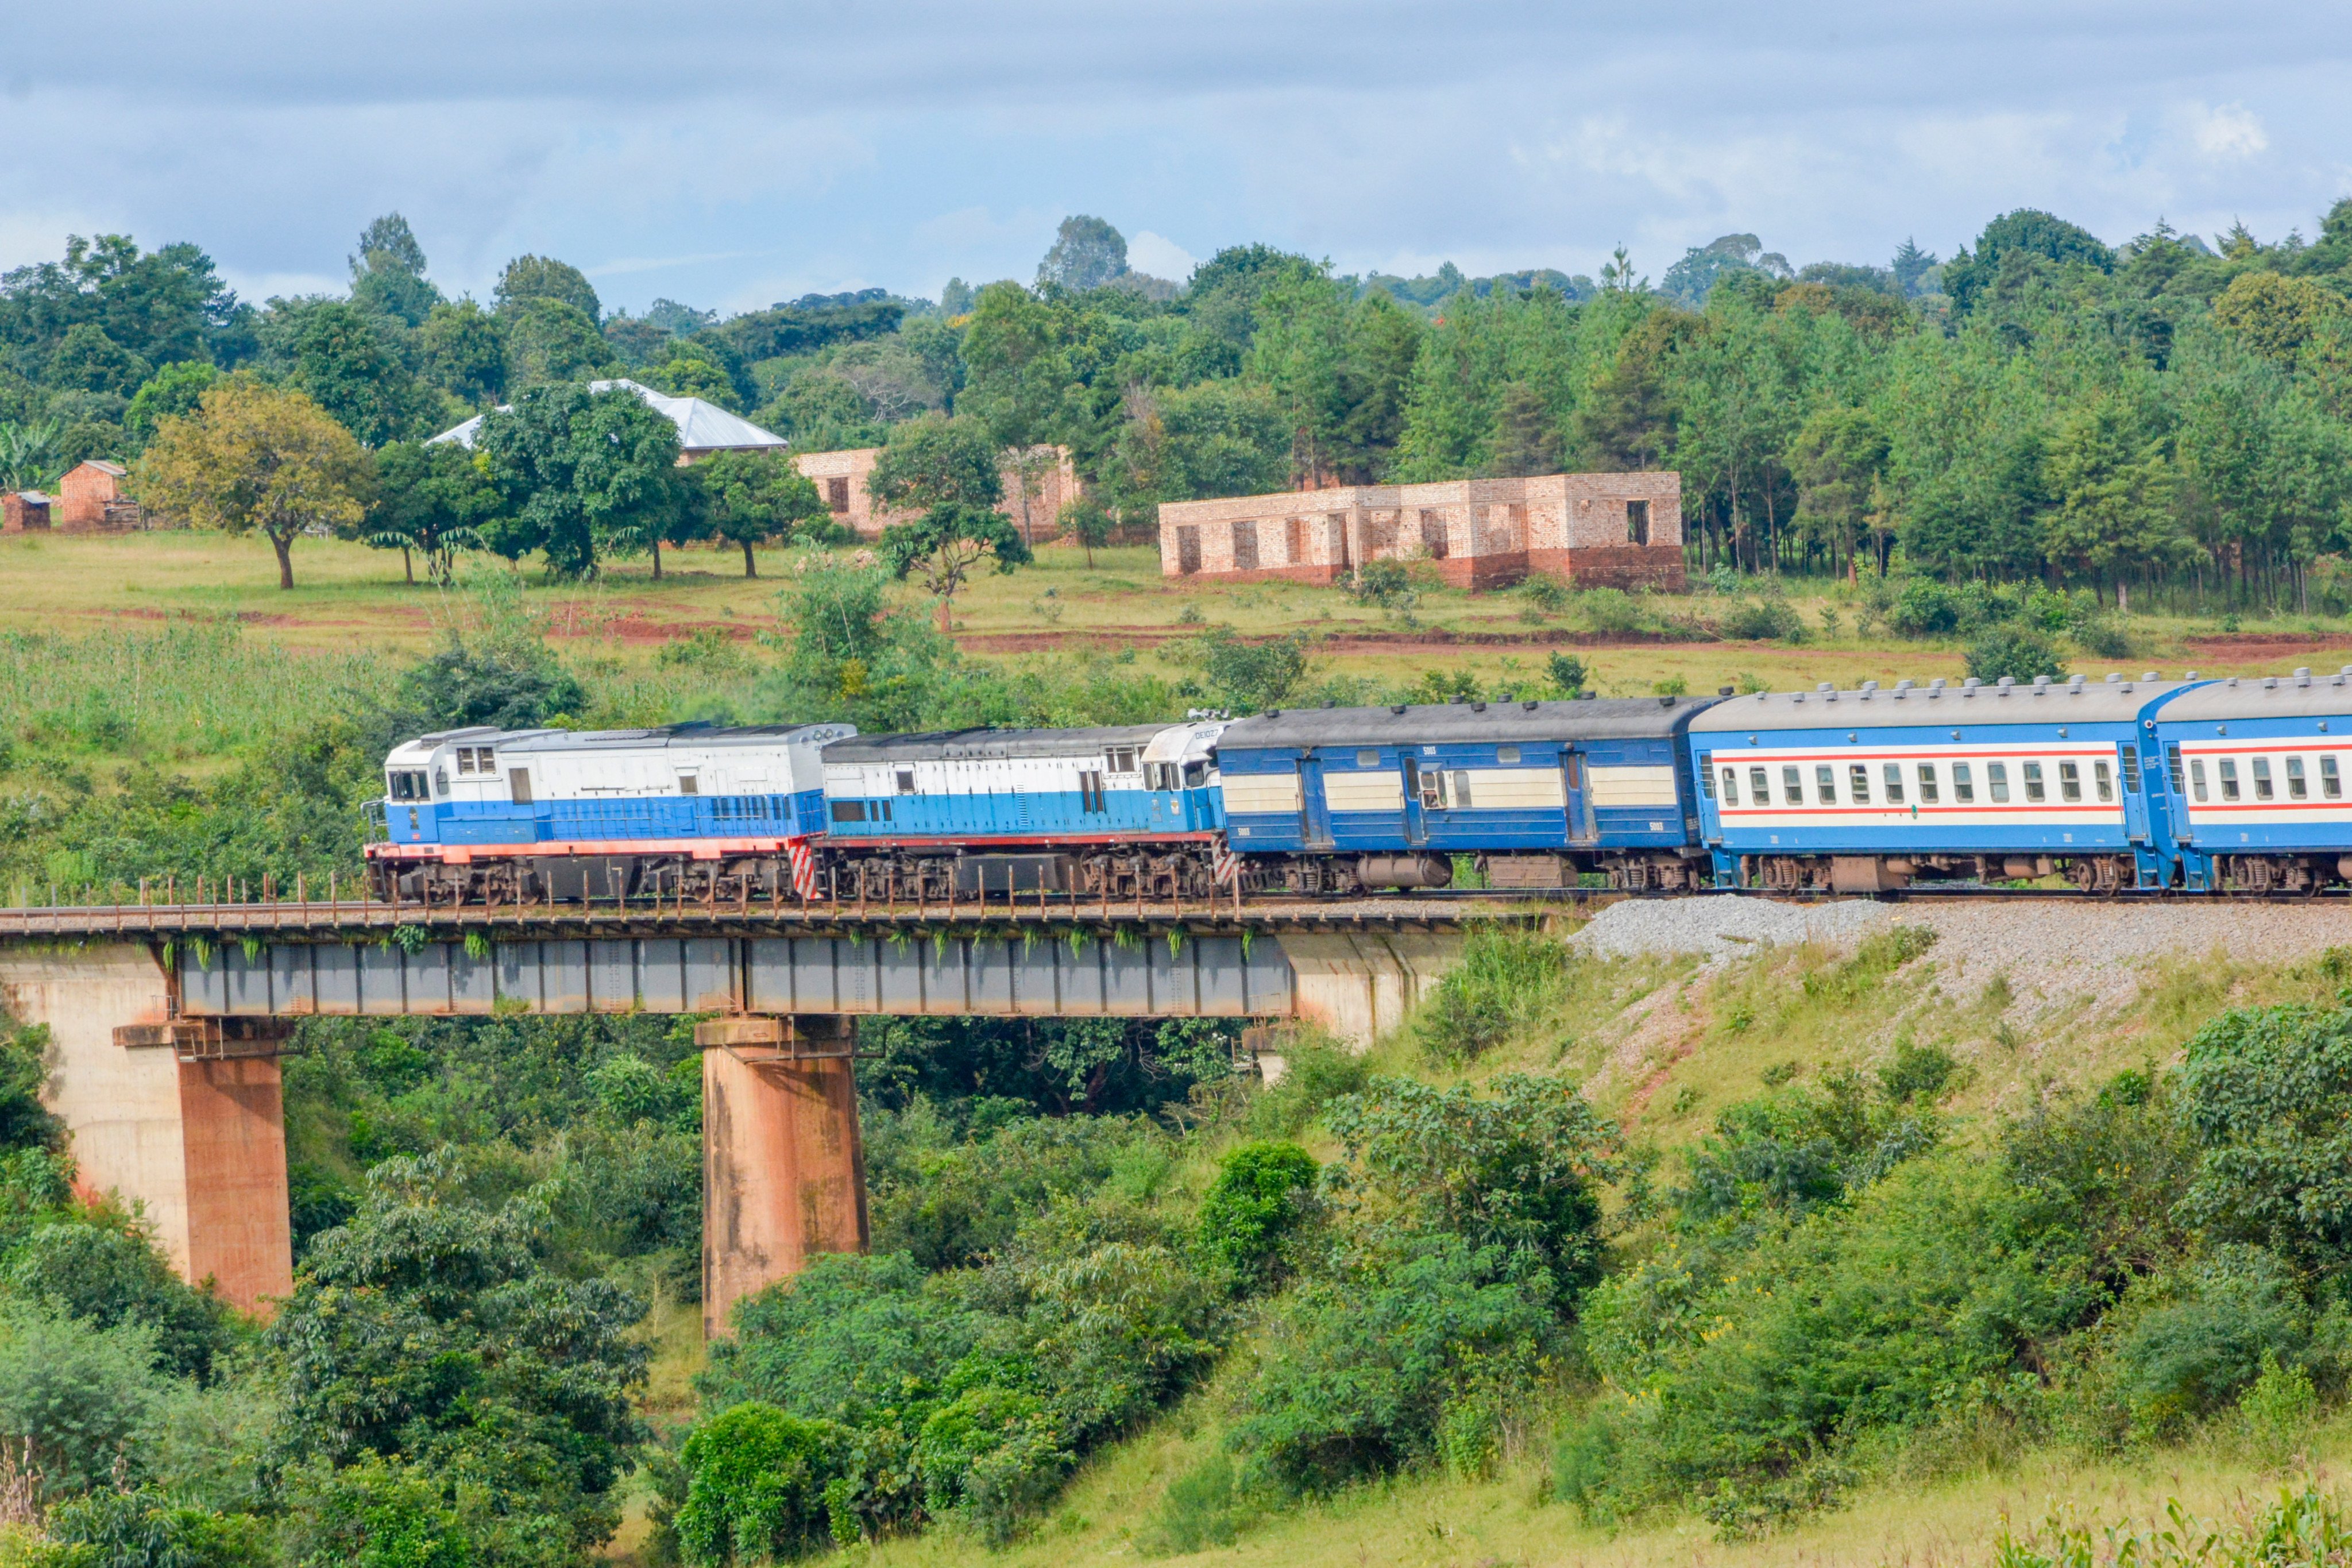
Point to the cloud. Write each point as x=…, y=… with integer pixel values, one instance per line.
x=1160, y=255
x=2228, y=132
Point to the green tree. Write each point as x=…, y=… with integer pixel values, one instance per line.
x=388, y=272
x=430, y=499
x=173, y=390
x=584, y=473
x=552, y=340
x=28, y=454
x=1016, y=381
x=935, y=462
x=86, y=359
x=429, y=1331
x=2028, y=234
x=464, y=349
x=947, y=544
x=339, y=355
x=1256, y=1200
x=1088, y=522
x=2115, y=495
x=529, y=278
x=254, y=457
x=756, y=1487
x=1837, y=460
x=1087, y=253
x=757, y=498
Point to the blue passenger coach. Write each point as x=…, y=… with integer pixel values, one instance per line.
x=1326, y=800
x=1872, y=790
x=2256, y=772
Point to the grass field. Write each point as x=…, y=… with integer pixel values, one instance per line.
x=349, y=595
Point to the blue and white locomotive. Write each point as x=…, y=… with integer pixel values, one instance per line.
x=2235, y=785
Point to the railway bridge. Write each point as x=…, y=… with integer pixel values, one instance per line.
x=168, y=1018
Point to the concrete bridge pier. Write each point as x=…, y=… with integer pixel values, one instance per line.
x=783, y=1170
x=184, y=1117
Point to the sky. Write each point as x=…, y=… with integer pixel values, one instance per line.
x=731, y=155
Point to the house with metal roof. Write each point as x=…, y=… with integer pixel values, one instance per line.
x=703, y=427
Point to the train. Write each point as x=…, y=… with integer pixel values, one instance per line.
x=2198, y=786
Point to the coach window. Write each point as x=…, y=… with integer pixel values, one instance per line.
x=2034, y=781
x=1368, y=758
x=1731, y=787
x=2229, y=770
x=1964, y=788
x=2262, y=778
x=2104, y=777
x=1926, y=783
x=2297, y=786
x=2331, y=784
x=1997, y=777
x=1857, y=783
x=2197, y=776
x=1759, y=789
x=1507, y=756
x=1793, y=786
x=2070, y=783
x=1895, y=784
x=1825, y=784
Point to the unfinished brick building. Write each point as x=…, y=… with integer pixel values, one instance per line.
x=1616, y=531
x=840, y=479
x=90, y=498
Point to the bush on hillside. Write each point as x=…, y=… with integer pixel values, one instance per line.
x=757, y=1483
x=1256, y=1202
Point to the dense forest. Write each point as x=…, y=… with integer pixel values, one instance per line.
x=2169, y=414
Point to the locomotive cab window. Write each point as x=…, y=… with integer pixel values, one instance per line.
x=2297, y=786
x=1195, y=774
x=1964, y=787
x=406, y=784
x=1997, y=781
x=1926, y=783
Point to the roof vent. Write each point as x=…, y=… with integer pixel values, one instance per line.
x=2041, y=684
x=2075, y=684
x=1506, y=697
x=2112, y=676
x=2233, y=680
x=2269, y=683
x=2345, y=671
x=1331, y=702
x=1398, y=708
x=1456, y=701
x=2151, y=675
x=2192, y=675
x=1478, y=708
x=1796, y=697
x=1273, y=712
x=2303, y=673
x=1665, y=701
x=1937, y=684
x=1529, y=705
x=1826, y=686
x=2007, y=681
x=1905, y=685
x=1723, y=692
x=1870, y=685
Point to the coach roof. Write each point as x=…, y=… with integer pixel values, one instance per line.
x=1870, y=707
x=2265, y=697
x=697, y=735
x=1464, y=723
x=965, y=745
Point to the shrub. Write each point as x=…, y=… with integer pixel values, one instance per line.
x=1252, y=1205
x=1508, y=978
x=1611, y=612
x=2103, y=637
x=2278, y=1409
x=990, y=1457
x=1544, y=592
x=2210, y=1338
x=2016, y=652
x=1200, y=1509
x=1382, y=582
x=142, y=1529
x=1362, y=1366
x=756, y=1481
x=511, y=685
x=1924, y=607
x=1567, y=673
x=2268, y=1095
x=108, y=1277
x=378, y=1513
x=2308, y=1526
x=1315, y=1073
x=79, y=1393
x=1762, y=620
x=1250, y=677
